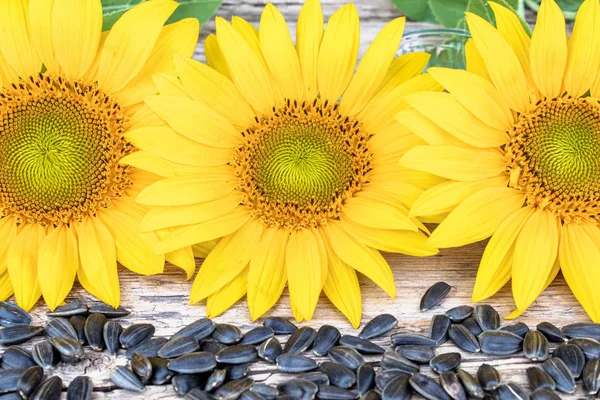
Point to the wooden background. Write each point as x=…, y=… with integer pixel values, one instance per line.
x=163, y=300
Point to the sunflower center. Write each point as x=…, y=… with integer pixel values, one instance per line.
x=60, y=143
x=554, y=157
x=297, y=165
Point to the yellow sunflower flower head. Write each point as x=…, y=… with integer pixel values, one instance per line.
x=518, y=138
x=69, y=94
x=291, y=160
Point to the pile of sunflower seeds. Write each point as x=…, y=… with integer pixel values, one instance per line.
x=207, y=360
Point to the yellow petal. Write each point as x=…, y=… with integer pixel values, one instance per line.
x=475, y=63
x=202, y=250
x=267, y=275
x=6, y=289
x=76, y=29
x=377, y=214
x=365, y=260
x=184, y=190
x=126, y=49
x=23, y=264
x=17, y=48
x=184, y=259
x=496, y=263
x=548, y=53
x=40, y=31
x=98, y=261
x=425, y=128
x=231, y=255
x=214, y=55
x=58, y=260
x=477, y=217
x=373, y=67
x=584, y=50
x=453, y=162
x=402, y=69
x=218, y=302
x=502, y=64
x=168, y=85
x=338, y=53
x=8, y=232
x=446, y=111
x=309, y=32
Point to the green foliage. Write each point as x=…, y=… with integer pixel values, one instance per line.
x=202, y=10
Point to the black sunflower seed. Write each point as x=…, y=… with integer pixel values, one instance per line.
x=11, y=396
x=11, y=315
x=18, y=334
x=78, y=323
x=94, y=331
x=80, y=388
x=17, y=358
x=539, y=379
x=142, y=367
x=511, y=391
x=393, y=360
x=111, y=332
x=378, y=326
x=29, y=380
x=210, y=345
x=572, y=356
x=227, y=334
x=9, y=379
x=417, y=354
x=237, y=354
x=518, y=328
x=427, y=387
x=591, y=377
x=544, y=394
x=338, y=374
x=233, y=389
x=126, y=379
x=464, y=339
x=326, y=339
x=198, y=394
x=488, y=377
x=500, y=343
x=76, y=307
x=459, y=313
x=257, y=335
x=44, y=354
x=472, y=387
x=582, y=330
x=436, y=293
x=397, y=389
x=184, y=383
x=161, y=374
x=552, y=333
x=236, y=371
x=300, y=340
x=535, y=346
x=384, y=376
x=149, y=348
x=248, y=395
x=346, y=356
x=295, y=363
x=136, y=334
x=68, y=348
x=199, y=329
x=178, y=347
x=361, y=345
x=316, y=377
x=400, y=339
x=60, y=327
x=298, y=389
x=445, y=362
x=487, y=317
x=215, y=380
x=193, y=363
x=280, y=326
x=108, y=311
x=365, y=378
x=370, y=395
x=267, y=391
x=270, y=349
x=590, y=347
x=50, y=389
x=472, y=326
x=451, y=384
x=560, y=372
x=438, y=330
x=327, y=392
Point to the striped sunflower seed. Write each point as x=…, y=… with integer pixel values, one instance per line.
x=591, y=377
x=471, y=385
x=126, y=379
x=401, y=339
x=438, y=330
x=590, y=347
x=11, y=315
x=436, y=293
x=210, y=345
x=552, y=333
x=445, y=362
x=108, y=311
x=464, y=339
x=149, y=348
x=248, y=395
x=68, y=348
x=459, y=313
x=136, y=334
x=193, y=363
x=179, y=346
x=198, y=394
x=94, y=331
x=184, y=383
x=346, y=356
x=78, y=323
x=378, y=326
x=582, y=330
x=29, y=380
x=572, y=356
x=233, y=389
x=18, y=334
x=270, y=349
x=9, y=379
x=316, y=377
x=371, y=395
x=393, y=360
x=237, y=354
x=298, y=389
x=365, y=378
x=199, y=329
x=50, y=389
x=17, y=358
x=215, y=380
x=518, y=328
x=227, y=334
x=488, y=377
x=280, y=326
x=60, y=327
x=257, y=335
x=44, y=354
x=267, y=391
x=560, y=372
x=161, y=374
x=236, y=371
x=535, y=346
x=539, y=379
x=472, y=326
x=327, y=392
x=300, y=340
x=295, y=363
x=487, y=317
x=141, y=365
x=397, y=389
x=544, y=394
x=452, y=386
x=80, y=388
x=76, y=307
x=338, y=374
x=416, y=354
x=500, y=343
x=327, y=338
x=384, y=376
x=111, y=332
x=361, y=345
x=427, y=387
x=511, y=391
x=11, y=396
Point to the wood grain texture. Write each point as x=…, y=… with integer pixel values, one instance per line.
x=163, y=300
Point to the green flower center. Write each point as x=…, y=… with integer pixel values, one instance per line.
x=60, y=143
x=298, y=165
x=555, y=152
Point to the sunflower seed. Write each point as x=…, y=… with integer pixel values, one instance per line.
x=298, y=389
x=193, y=363
x=327, y=392
x=227, y=334
x=393, y=360
x=60, y=327
x=178, y=347
x=544, y=394
x=365, y=378
x=215, y=380
x=378, y=326
x=267, y=391
x=248, y=395
x=44, y=354
x=397, y=389
x=295, y=363
x=436, y=293
x=182, y=384
x=500, y=343
x=470, y=384
x=257, y=335
x=427, y=387
x=445, y=362
x=384, y=376
x=590, y=347
x=198, y=394
x=511, y=391
x=552, y=333
x=29, y=380
x=80, y=388
x=50, y=389
x=161, y=374
x=400, y=339
x=209, y=345
x=236, y=371
x=572, y=356
x=316, y=377
x=464, y=339
x=76, y=307
x=233, y=389
x=460, y=313
x=582, y=330
x=11, y=396
x=338, y=374
x=108, y=311
x=78, y=323
x=18, y=334
x=417, y=354
x=141, y=365
x=280, y=326
x=535, y=346
x=488, y=377
x=539, y=379
x=68, y=348
x=326, y=339
x=94, y=330
x=472, y=326
x=9, y=379
x=136, y=334
x=199, y=329
x=361, y=345
x=238, y=354
x=270, y=349
x=518, y=328
x=452, y=386
x=126, y=379
x=371, y=395
x=591, y=377
x=111, y=332
x=560, y=372
x=300, y=340
x=346, y=356
x=11, y=315
x=438, y=330
x=149, y=348
x=17, y=358
x=487, y=317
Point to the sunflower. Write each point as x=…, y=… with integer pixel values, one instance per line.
x=69, y=94
x=518, y=138
x=292, y=161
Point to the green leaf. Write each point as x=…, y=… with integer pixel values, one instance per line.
x=415, y=10
x=479, y=7
x=448, y=12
